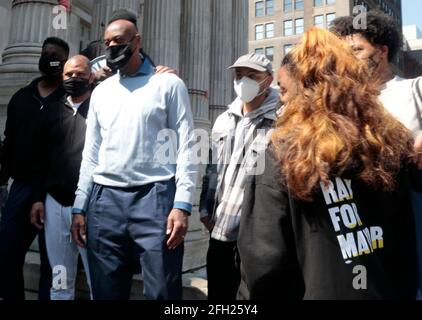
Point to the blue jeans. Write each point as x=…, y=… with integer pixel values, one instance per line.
x=121, y=221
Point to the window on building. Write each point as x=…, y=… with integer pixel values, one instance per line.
x=269, y=7
x=259, y=32
x=288, y=27
x=287, y=48
x=259, y=9
x=299, y=26
x=287, y=5
x=84, y=38
x=269, y=52
x=259, y=51
x=330, y=17
x=269, y=30
x=298, y=4
x=330, y=2
x=263, y=8
x=319, y=21
x=318, y=3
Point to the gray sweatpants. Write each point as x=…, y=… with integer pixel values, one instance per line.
x=62, y=251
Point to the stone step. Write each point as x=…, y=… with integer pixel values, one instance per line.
x=196, y=246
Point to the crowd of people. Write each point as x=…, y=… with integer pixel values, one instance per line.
x=312, y=191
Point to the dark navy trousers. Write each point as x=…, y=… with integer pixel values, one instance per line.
x=122, y=222
x=16, y=236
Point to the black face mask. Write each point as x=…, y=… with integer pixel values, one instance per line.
x=118, y=56
x=77, y=86
x=51, y=68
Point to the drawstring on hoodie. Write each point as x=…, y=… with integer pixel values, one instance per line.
x=39, y=101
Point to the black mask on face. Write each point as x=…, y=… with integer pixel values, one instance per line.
x=77, y=86
x=118, y=56
x=51, y=68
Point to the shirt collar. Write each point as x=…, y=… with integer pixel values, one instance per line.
x=145, y=69
x=73, y=104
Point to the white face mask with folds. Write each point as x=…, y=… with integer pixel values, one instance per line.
x=248, y=89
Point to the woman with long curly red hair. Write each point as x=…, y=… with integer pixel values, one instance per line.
x=330, y=218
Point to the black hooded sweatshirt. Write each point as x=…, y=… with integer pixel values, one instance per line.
x=23, y=147
x=350, y=242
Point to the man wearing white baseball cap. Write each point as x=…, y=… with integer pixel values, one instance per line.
x=240, y=135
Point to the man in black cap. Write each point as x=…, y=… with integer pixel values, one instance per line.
x=21, y=160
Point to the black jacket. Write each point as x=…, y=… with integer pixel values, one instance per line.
x=23, y=147
x=291, y=249
x=63, y=131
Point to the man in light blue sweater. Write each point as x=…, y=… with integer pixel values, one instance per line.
x=137, y=176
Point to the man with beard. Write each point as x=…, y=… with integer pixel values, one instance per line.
x=22, y=161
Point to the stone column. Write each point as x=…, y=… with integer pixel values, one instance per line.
x=5, y=13
x=195, y=71
x=161, y=31
x=240, y=31
x=31, y=23
x=221, y=85
x=240, y=28
x=195, y=64
x=103, y=10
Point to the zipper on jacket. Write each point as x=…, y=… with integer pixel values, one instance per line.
x=72, y=137
x=39, y=101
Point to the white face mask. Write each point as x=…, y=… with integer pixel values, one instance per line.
x=247, y=89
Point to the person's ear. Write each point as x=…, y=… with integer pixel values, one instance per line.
x=91, y=78
x=138, y=41
x=384, y=51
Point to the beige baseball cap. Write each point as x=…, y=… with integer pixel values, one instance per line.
x=254, y=61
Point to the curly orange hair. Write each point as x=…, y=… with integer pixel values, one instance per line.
x=336, y=124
